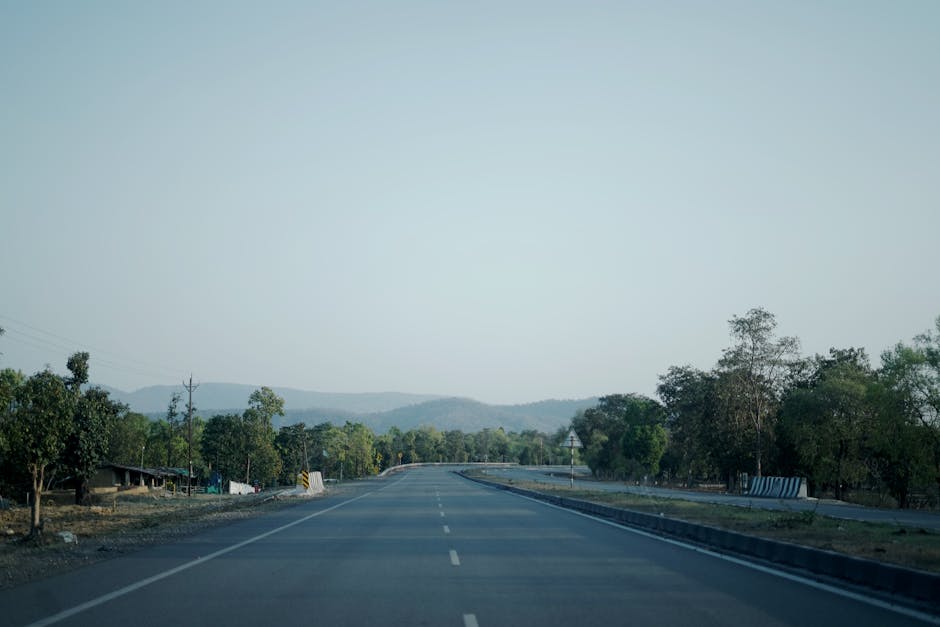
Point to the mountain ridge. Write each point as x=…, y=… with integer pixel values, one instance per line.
x=223, y=396
x=379, y=411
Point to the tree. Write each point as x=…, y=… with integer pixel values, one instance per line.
x=429, y=444
x=78, y=366
x=87, y=445
x=455, y=446
x=899, y=451
x=89, y=431
x=690, y=397
x=359, y=454
x=528, y=447
x=291, y=445
x=222, y=443
x=825, y=423
x=326, y=444
x=169, y=433
x=757, y=363
x=258, y=435
x=623, y=435
x=12, y=474
x=128, y=438
x=38, y=431
x=913, y=373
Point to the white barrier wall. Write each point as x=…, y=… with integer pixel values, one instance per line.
x=240, y=488
x=778, y=487
x=316, y=483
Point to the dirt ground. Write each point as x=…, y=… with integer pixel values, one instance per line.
x=112, y=526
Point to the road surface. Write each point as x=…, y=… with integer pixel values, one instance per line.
x=427, y=547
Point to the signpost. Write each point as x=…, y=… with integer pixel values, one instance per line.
x=572, y=442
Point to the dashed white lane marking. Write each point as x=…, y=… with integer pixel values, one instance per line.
x=470, y=620
x=442, y=514
x=446, y=529
x=439, y=506
x=454, y=560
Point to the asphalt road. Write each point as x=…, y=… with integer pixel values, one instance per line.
x=836, y=509
x=427, y=547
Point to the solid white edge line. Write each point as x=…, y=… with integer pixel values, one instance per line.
x=454, y=560
x=898, y=609
x=470, y=620
x=87, y=605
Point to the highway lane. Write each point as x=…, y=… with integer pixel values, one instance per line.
x=429, y=548
x=834, y=509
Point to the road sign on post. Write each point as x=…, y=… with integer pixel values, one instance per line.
x=572, y=442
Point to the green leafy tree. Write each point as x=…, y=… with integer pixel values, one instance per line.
x=690, y=398
x=359, y=453
x=13, y=476
x=528, y=447
x=89, y=433
x=261, y=458
x=38, y=431
x=87, y=445
x=758, y=364
x=912, y=372
x=899, y=451
x=222, y=443
x=291, y=445
x=826, y=423
x=330, y=449
x=624, y=435
x=429, y=444
x=128, y=439
x=169, y=434
x=455, y=446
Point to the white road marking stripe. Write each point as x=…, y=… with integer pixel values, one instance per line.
x=87, y=605
x=454, y=560
x=442, y=514
x=470, y=620
x=439, y=506
x=899, y=609
x=446, y=529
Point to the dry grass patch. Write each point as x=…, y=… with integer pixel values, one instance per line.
x=111, y=526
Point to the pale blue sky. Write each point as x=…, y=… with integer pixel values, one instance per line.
x=504, y=200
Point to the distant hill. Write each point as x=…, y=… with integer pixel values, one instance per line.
x=234, y=396
x=379, y=411
x=454, y=413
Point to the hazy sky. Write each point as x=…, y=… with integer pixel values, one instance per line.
x=504, y=200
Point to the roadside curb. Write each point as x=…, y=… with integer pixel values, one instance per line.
x=916, y=585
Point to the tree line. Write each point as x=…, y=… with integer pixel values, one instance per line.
x=55, y=430
x=848, y=427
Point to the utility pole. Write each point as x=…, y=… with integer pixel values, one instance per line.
x=189, y=420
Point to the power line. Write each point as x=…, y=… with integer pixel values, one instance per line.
x=56, y=342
